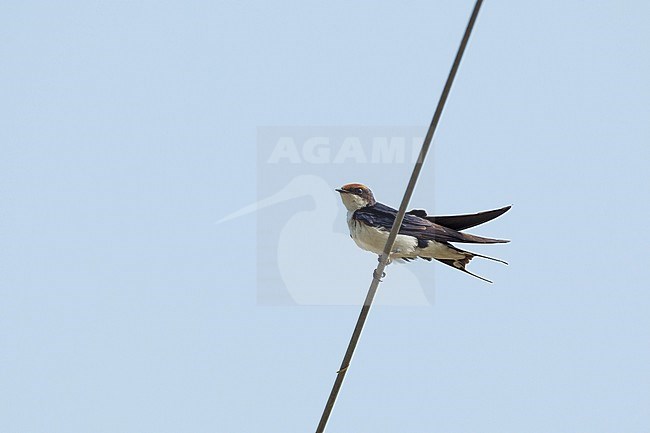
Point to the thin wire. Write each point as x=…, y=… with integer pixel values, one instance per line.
x=383, y=259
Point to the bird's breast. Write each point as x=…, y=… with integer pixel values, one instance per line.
x=374, y=239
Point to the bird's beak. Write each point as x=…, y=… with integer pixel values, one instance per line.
x=342, y=191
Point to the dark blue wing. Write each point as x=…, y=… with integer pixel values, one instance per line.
x=461, y=222
x=382, y=217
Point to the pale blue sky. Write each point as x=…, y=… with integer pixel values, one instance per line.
x=127, y=128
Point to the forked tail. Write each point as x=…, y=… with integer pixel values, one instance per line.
x=460, y=264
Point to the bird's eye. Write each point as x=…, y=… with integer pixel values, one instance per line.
x=358, y=190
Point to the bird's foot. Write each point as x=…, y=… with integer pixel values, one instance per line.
x=376, y=275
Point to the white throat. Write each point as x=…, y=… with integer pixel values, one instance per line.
x=353, y=202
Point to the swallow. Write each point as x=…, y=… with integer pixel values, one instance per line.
x=420, y=236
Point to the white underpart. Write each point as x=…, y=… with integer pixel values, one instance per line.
x=374, y=240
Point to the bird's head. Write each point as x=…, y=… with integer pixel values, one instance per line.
x=355, y=196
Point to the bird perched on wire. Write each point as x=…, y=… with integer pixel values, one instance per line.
x=421, y=235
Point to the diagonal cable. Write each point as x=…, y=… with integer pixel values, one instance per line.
x=384, y=258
